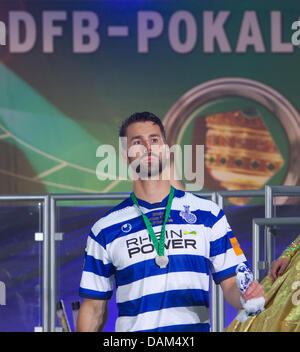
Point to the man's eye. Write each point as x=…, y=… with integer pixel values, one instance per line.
x=154, y=140
x=136, y=142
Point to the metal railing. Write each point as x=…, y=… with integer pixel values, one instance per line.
x=256, y=223
x=46, y=288
x=50, y=236
x=54, y=235
x=219, y=310
x=272, y=192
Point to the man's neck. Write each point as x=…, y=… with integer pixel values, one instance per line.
x=152, y=191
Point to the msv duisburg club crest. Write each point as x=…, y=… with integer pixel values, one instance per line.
x=187, y=215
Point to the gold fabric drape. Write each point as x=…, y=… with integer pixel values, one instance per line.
x=282, y=308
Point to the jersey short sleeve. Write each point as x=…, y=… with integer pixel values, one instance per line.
x=225, y=251
x=97, y=279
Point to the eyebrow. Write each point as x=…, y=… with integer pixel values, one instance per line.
x=140, y=136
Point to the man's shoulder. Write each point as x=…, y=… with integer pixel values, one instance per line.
x=198, y=202
x=113, y=216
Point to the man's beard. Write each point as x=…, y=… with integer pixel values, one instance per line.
x=147, y=170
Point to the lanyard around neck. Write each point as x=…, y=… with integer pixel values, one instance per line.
x=160, y=247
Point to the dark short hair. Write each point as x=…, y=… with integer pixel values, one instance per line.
x=142, y=117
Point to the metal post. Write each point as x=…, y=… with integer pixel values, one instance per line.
x=46, y=286
x=220, y=295
x=214, y=307
x=255, y=250
x=268, y=238
x=52, y=266
x=214, y=296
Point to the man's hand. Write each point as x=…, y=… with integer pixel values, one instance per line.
x=255, y=290
x=278, y=267
x=232, y=293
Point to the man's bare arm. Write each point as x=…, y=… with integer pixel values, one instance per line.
x=232, y=293
x=92, y=315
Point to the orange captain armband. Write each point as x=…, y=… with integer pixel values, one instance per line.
x=236, y=246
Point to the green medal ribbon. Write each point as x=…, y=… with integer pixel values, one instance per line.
x=160, y=247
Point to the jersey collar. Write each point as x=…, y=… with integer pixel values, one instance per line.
x=177, y=193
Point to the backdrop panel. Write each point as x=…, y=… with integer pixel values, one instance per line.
x=222, y=74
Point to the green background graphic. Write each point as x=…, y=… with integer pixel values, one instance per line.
x=57, y=108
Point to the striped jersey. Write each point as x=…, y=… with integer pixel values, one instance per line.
x=198, y=241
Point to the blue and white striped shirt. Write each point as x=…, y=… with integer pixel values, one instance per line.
x=198, y=241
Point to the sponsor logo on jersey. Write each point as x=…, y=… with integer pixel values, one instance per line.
x=190, y=233
x=126, y=227
x=173, y=240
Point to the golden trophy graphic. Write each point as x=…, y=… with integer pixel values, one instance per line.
x=240, y=151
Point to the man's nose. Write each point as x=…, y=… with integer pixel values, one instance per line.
x=147, y=145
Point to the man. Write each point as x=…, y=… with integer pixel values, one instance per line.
x=159, y=245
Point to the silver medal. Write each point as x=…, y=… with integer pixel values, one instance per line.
x=162, y=261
